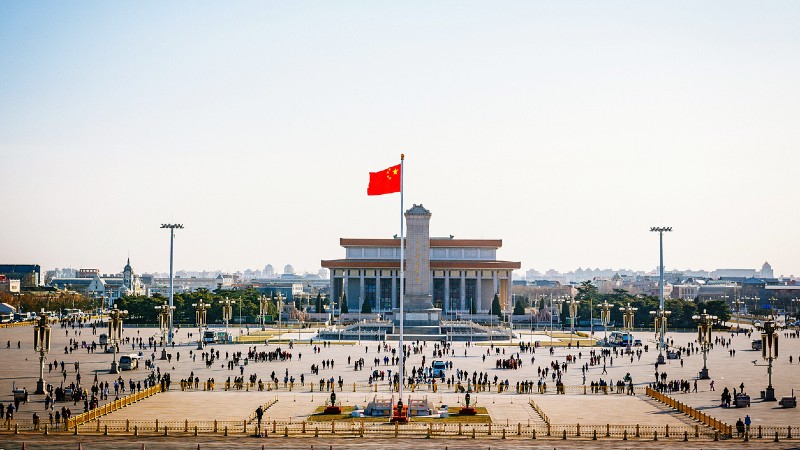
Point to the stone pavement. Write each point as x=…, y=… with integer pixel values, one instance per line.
x=20, y=366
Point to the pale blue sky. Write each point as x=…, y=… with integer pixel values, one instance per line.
x=565, y=128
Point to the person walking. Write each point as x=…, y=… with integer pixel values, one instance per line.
x=747, y=423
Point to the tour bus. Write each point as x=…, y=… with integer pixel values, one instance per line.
x=208, y=337
x=129, y=362
x=619, y=339
x=6, y=317
x=103, y=339
x=438, y=368
x=216, y=337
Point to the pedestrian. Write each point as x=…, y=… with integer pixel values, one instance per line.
x=711, y=386
x=747, y=423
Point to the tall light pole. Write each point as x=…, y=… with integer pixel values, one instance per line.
x=164, y=316
x=172, y=227
x=661, y=231
x=660, y=321
x=628, y=318
x=704, y=323
x=280, y=311
x=769, y=351
x=573, y=314
x=200, y=309
x=605, y=317
x=227, y=313
x=41, y=344
x=560, y=302
x=115, y=317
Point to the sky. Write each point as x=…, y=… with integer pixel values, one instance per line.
x=566, y=129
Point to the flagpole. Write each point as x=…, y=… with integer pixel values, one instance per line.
x=402, y=276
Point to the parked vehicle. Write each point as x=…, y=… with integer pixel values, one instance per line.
x=756, y=344
x=129, y=362
x=438, y=368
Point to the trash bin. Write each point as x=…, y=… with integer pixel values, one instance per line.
x=763, y=394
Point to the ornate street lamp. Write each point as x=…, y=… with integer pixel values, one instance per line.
x=560, y=302
x=628, y=318
x=227, y=313
x=738, y=304
x=41, y=343
x=704, y=323
x=280, y=310
x=605, y=317
x=660, y=321
x=115, y=317
x=573, y=313
x=165, y=313
x=263, y=301
x=200, y=309
x=769, y=351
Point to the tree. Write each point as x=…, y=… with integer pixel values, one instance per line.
x=443, y=308
x=366, y=307
x=519, y=309
x=496, y=310
x=472, y=307
x=319, y=303
x=345, y=309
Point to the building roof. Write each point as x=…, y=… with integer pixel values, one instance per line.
x=418, y=210
x=365, y=242
x=436, y=264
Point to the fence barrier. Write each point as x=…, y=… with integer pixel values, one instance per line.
x=110, y=407
x=704, y=418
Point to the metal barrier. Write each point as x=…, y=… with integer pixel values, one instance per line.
x=111, y=406
x=704, y=418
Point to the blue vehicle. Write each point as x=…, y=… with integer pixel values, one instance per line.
x=438, y=368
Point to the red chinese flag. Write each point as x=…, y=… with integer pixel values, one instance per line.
x=384, y=182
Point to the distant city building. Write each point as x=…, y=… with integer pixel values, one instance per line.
x=109, y=287
x=269, y=271
x=29, y=275
x=288, y=269
x=766, y=271
x=8, y=285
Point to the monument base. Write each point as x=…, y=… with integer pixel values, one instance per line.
x=333, y=410
x=467, y=412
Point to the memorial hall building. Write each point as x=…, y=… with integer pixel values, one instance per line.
x=462, y=272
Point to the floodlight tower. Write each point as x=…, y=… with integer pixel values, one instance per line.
x=41, y=343
x=704, y=323
x=661, y=231
x=172, y=227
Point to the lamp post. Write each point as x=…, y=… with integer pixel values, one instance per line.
x=560, y=302
x=280, y=310
x=738, y=303
x=41, y=344
x=262, y=309
x=227, y=312
x=171, y=227
x=769, y=351
x=573, y=314
x=605, y=317
x=163, y=323
x=115, y=317
x=661, y=231
x=628, y=318
x=200, y=309
x=660, y=320
x=704, y=323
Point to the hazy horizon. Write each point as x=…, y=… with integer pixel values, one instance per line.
x=565, y=129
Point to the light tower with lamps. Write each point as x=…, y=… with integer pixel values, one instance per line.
x=280, y=310
x=200, y=309
x=165, y=312
x=628, y=318
x=171, y=227
x=769, y=351
x=704, y=323
x=41, y=344
x=115, y=317
x=605, y=317
x=737, y=302
x=227, y=313
x=661, y=231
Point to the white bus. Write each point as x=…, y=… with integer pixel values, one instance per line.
x=129, y=362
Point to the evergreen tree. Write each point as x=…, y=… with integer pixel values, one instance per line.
x=472, y=307
x=345, y=309
x=366, y=307
x=496, y=310
x=319, y=303
x=519, y=309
